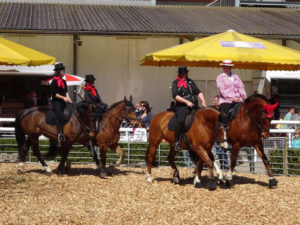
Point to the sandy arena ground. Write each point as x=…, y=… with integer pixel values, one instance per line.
x=125, y=198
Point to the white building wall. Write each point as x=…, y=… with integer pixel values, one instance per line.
x=115, y=63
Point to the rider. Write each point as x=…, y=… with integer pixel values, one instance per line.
x=184, y=90
x=232, y=90
x=60, y=97
x=91, y=96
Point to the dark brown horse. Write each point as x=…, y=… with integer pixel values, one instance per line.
x=201, y=137
x=109, y=135
x=32, y=122
x=252, y=123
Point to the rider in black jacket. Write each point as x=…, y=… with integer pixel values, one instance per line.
x=60, y=97
x=185, y=92
x=92, y=96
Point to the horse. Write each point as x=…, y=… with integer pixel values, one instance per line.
x=250, y=126
x=109, y=134
x=201, y=137
x=32, y=122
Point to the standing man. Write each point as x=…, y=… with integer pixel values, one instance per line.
x=184, y=92
x=60, y=97
x=231, y=90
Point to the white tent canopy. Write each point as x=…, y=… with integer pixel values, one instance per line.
x=283, y=75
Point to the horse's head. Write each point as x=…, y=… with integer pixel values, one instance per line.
x=129, y=113
x=268, y=114
x=260, y=112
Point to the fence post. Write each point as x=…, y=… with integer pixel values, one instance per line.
x=128, y=147
x=285, y=172
x=159, y=154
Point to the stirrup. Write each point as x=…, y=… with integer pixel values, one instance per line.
x=61, y=137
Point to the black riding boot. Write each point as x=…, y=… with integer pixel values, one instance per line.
x=60, y=136
x=177, y=138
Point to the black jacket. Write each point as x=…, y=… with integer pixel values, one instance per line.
x=190, y=93
x=58, y=90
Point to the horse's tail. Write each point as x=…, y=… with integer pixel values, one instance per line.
x=20, y=135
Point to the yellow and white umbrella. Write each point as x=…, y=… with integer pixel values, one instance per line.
x=245, y=51
x=12, y=53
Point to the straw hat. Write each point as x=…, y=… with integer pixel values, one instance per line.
x=297, y=131
x=226, y=62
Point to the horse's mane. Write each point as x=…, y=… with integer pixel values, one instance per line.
x=213, y=108
x=82, y=107
x=255, y=96
x=115, y=104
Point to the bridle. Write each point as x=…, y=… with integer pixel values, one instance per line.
x=125, y=114
x=258, y=124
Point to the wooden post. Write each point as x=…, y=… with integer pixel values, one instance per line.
x=285, y=160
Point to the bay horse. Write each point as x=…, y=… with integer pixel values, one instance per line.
x=109, y=134
x=250, y=126
x=201, y=137
x=32, y=122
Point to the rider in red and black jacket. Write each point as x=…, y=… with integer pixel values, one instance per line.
x=92, y=96
x=60, y=97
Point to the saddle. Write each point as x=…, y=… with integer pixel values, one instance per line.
x=232, y=113
x=51, y=116
x=187, y=124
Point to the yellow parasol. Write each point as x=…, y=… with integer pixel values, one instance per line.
x=245, y=51
x=12, y=53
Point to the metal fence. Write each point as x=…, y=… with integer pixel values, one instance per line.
x=283, y=159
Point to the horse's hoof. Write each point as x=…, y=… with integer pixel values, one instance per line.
x=228, y=183
x=20, y=171
x=103, y=174
x=198, y=185
x=273, y=183
x=149, y=179
x=176, y=180
x=212, y=185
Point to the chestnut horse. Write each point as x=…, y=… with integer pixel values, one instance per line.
x=32, y=122
x=201, y=137
x=251, y=124
x=109, y=135
x=248, y=128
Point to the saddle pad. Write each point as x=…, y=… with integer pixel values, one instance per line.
x=187, y=124
x=51, y=116
x=234, y=111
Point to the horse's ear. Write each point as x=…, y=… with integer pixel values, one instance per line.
x=130, y=98
x=125, y=99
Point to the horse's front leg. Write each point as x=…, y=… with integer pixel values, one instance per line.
x=120, y=152
x=234, y=154
x=205, y=157
x=171, y=159
x=198, y=171
x=65, y=148
x=91, y=147
x=260, y=151
x=103, y=172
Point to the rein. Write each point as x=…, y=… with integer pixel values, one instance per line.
x=80, y=121
x=127, y=119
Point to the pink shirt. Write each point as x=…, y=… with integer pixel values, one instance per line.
x=230, y=88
